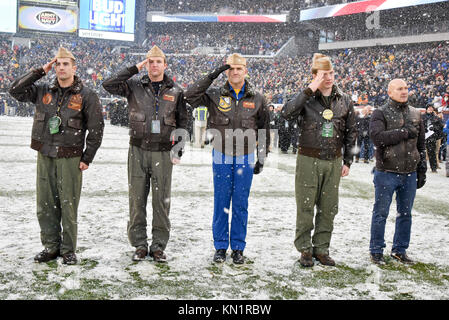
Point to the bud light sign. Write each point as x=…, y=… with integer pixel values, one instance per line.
x=107, y=15
x=107, y=18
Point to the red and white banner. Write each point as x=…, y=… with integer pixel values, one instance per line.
x=360, y=7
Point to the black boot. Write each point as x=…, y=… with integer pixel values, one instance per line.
x=46, y=255
x=237, y=256
x=402, y=257
x=220, y=255
x=377, y=258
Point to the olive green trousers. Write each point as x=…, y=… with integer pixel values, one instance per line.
x=149, y=169
x=316, y=186
x=58, y=191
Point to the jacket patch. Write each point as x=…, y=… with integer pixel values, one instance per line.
x=46, y=99
x=225, y=104
x=168, y=97
x=76, y=101
x=249, y=105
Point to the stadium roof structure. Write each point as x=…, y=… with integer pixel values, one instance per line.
x=360, y=7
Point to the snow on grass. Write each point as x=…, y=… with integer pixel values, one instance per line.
x=271, y=271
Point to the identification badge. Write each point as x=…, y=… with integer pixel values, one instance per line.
x=155, y=126
x=54, y=123
x=328, y=130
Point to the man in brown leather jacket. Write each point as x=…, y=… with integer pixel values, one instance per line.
x=156, y=110
x=239, y=122
x=398, y=133
x=327, y=127
x=65, y=110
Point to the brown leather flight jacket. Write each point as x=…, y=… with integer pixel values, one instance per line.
x=229, y=117
x=168, y=107
x=307, y=107
x=80, y=111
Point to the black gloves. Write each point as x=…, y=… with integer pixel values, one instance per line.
x=421, y=170
x=258, y=167
x=420, y=179
x=214, y=75
x=208, y=140
x=411, y=129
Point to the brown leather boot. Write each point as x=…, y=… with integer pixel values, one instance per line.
x=140, y=254
x=306, y=259
x=158, y=256
x=324, y=259
x=69, y=258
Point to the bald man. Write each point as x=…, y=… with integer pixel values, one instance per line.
x=397, y=132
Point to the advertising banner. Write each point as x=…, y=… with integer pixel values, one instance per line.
x=360, y=7
x=47, y=19
x=8, y=16
x=107, y=19
x=276, y=18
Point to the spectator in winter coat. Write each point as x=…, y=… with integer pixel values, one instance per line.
x=446, y=132
x=434, y=131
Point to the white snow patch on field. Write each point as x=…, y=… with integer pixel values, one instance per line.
x=272, y=270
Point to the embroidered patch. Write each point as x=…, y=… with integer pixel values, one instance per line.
x=249, y=105
x=76, y=102
x=168, y=97
x=225, y=104
x=47, y=98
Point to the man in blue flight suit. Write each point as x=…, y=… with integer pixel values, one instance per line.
x=239, y=121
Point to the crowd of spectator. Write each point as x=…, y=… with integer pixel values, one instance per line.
x=237, y=6
x=363, y=73
x=248, y=39
x=226, y=7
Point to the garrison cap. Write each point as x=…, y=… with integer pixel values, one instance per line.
x=236, y=58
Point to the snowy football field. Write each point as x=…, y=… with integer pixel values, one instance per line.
x=271, y=271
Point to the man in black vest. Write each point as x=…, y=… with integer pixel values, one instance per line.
x=156, y=109
x=397, y=131
x=65, y=110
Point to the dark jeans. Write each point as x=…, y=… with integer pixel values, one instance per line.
x=386, y=184
x=364, y=144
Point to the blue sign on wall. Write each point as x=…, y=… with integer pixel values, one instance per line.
x=106, y=17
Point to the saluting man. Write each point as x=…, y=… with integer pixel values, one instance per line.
x=326, y=140
x=65, y=110
x=156, y=108
x=239, y=121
